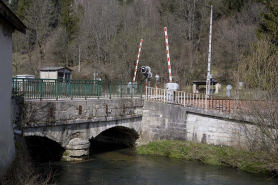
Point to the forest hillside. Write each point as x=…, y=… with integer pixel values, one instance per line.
x=104, y=36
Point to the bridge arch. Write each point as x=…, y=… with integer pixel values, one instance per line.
x=131, y=124
x=44, y=149
x=118, y=135
x=74, y=137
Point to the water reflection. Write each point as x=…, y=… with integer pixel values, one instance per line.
x=123, y=166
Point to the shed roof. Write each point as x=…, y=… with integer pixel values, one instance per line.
x=11, y=18
x=54, y=68
x=200, y=82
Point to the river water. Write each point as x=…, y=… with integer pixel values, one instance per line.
x=124, y=166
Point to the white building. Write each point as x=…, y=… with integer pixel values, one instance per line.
x=56, y=73
x=9, y=22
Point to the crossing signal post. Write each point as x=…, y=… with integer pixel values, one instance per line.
x=146, y=70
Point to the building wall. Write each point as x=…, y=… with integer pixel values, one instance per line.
x=7, y=148
x=48, y=75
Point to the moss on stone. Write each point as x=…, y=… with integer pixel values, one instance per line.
x=66, y=153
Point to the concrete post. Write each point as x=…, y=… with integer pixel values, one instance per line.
x=216, y=88
x=194, y=88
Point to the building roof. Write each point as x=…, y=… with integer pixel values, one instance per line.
x=24, y=75
x=54, y=68
x=200, y=82
x=11, y=18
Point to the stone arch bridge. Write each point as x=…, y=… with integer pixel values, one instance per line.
x=73, y=123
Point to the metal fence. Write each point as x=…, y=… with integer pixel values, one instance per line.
x=217, y=103
x=60, y=89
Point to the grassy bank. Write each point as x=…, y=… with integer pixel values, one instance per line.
x=256, y=162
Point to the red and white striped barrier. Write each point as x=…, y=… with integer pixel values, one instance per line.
x=141, y=41
x=168, y=54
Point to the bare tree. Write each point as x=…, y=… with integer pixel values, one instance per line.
x=38, y=18
x=259, y=73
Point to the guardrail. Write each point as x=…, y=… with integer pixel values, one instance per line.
x=213, y=102
x=60, y=89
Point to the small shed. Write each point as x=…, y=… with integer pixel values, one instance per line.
x=61, y=73
x=196, y=85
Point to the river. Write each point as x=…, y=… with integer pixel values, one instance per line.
x=123, y=166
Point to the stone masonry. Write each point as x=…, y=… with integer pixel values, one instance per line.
x=163, y=121
x=73, y=123
x=168, y=121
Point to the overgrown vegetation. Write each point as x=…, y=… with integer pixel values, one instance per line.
x=256, y=162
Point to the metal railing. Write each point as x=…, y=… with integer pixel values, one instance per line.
x=60, y=89
x=217, y=103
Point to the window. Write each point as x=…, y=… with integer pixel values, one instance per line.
x=60, y=75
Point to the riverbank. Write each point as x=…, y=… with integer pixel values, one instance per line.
x=24, y=171
x=256, y=162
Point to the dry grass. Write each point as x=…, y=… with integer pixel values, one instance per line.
x=23, y=171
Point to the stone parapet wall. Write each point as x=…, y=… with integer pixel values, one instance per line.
x=168, y=121
x=213, y=130
x=49, y=112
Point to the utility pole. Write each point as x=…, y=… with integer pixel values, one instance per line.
x=209, y=59
x=95, y=74
x=79, y=68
